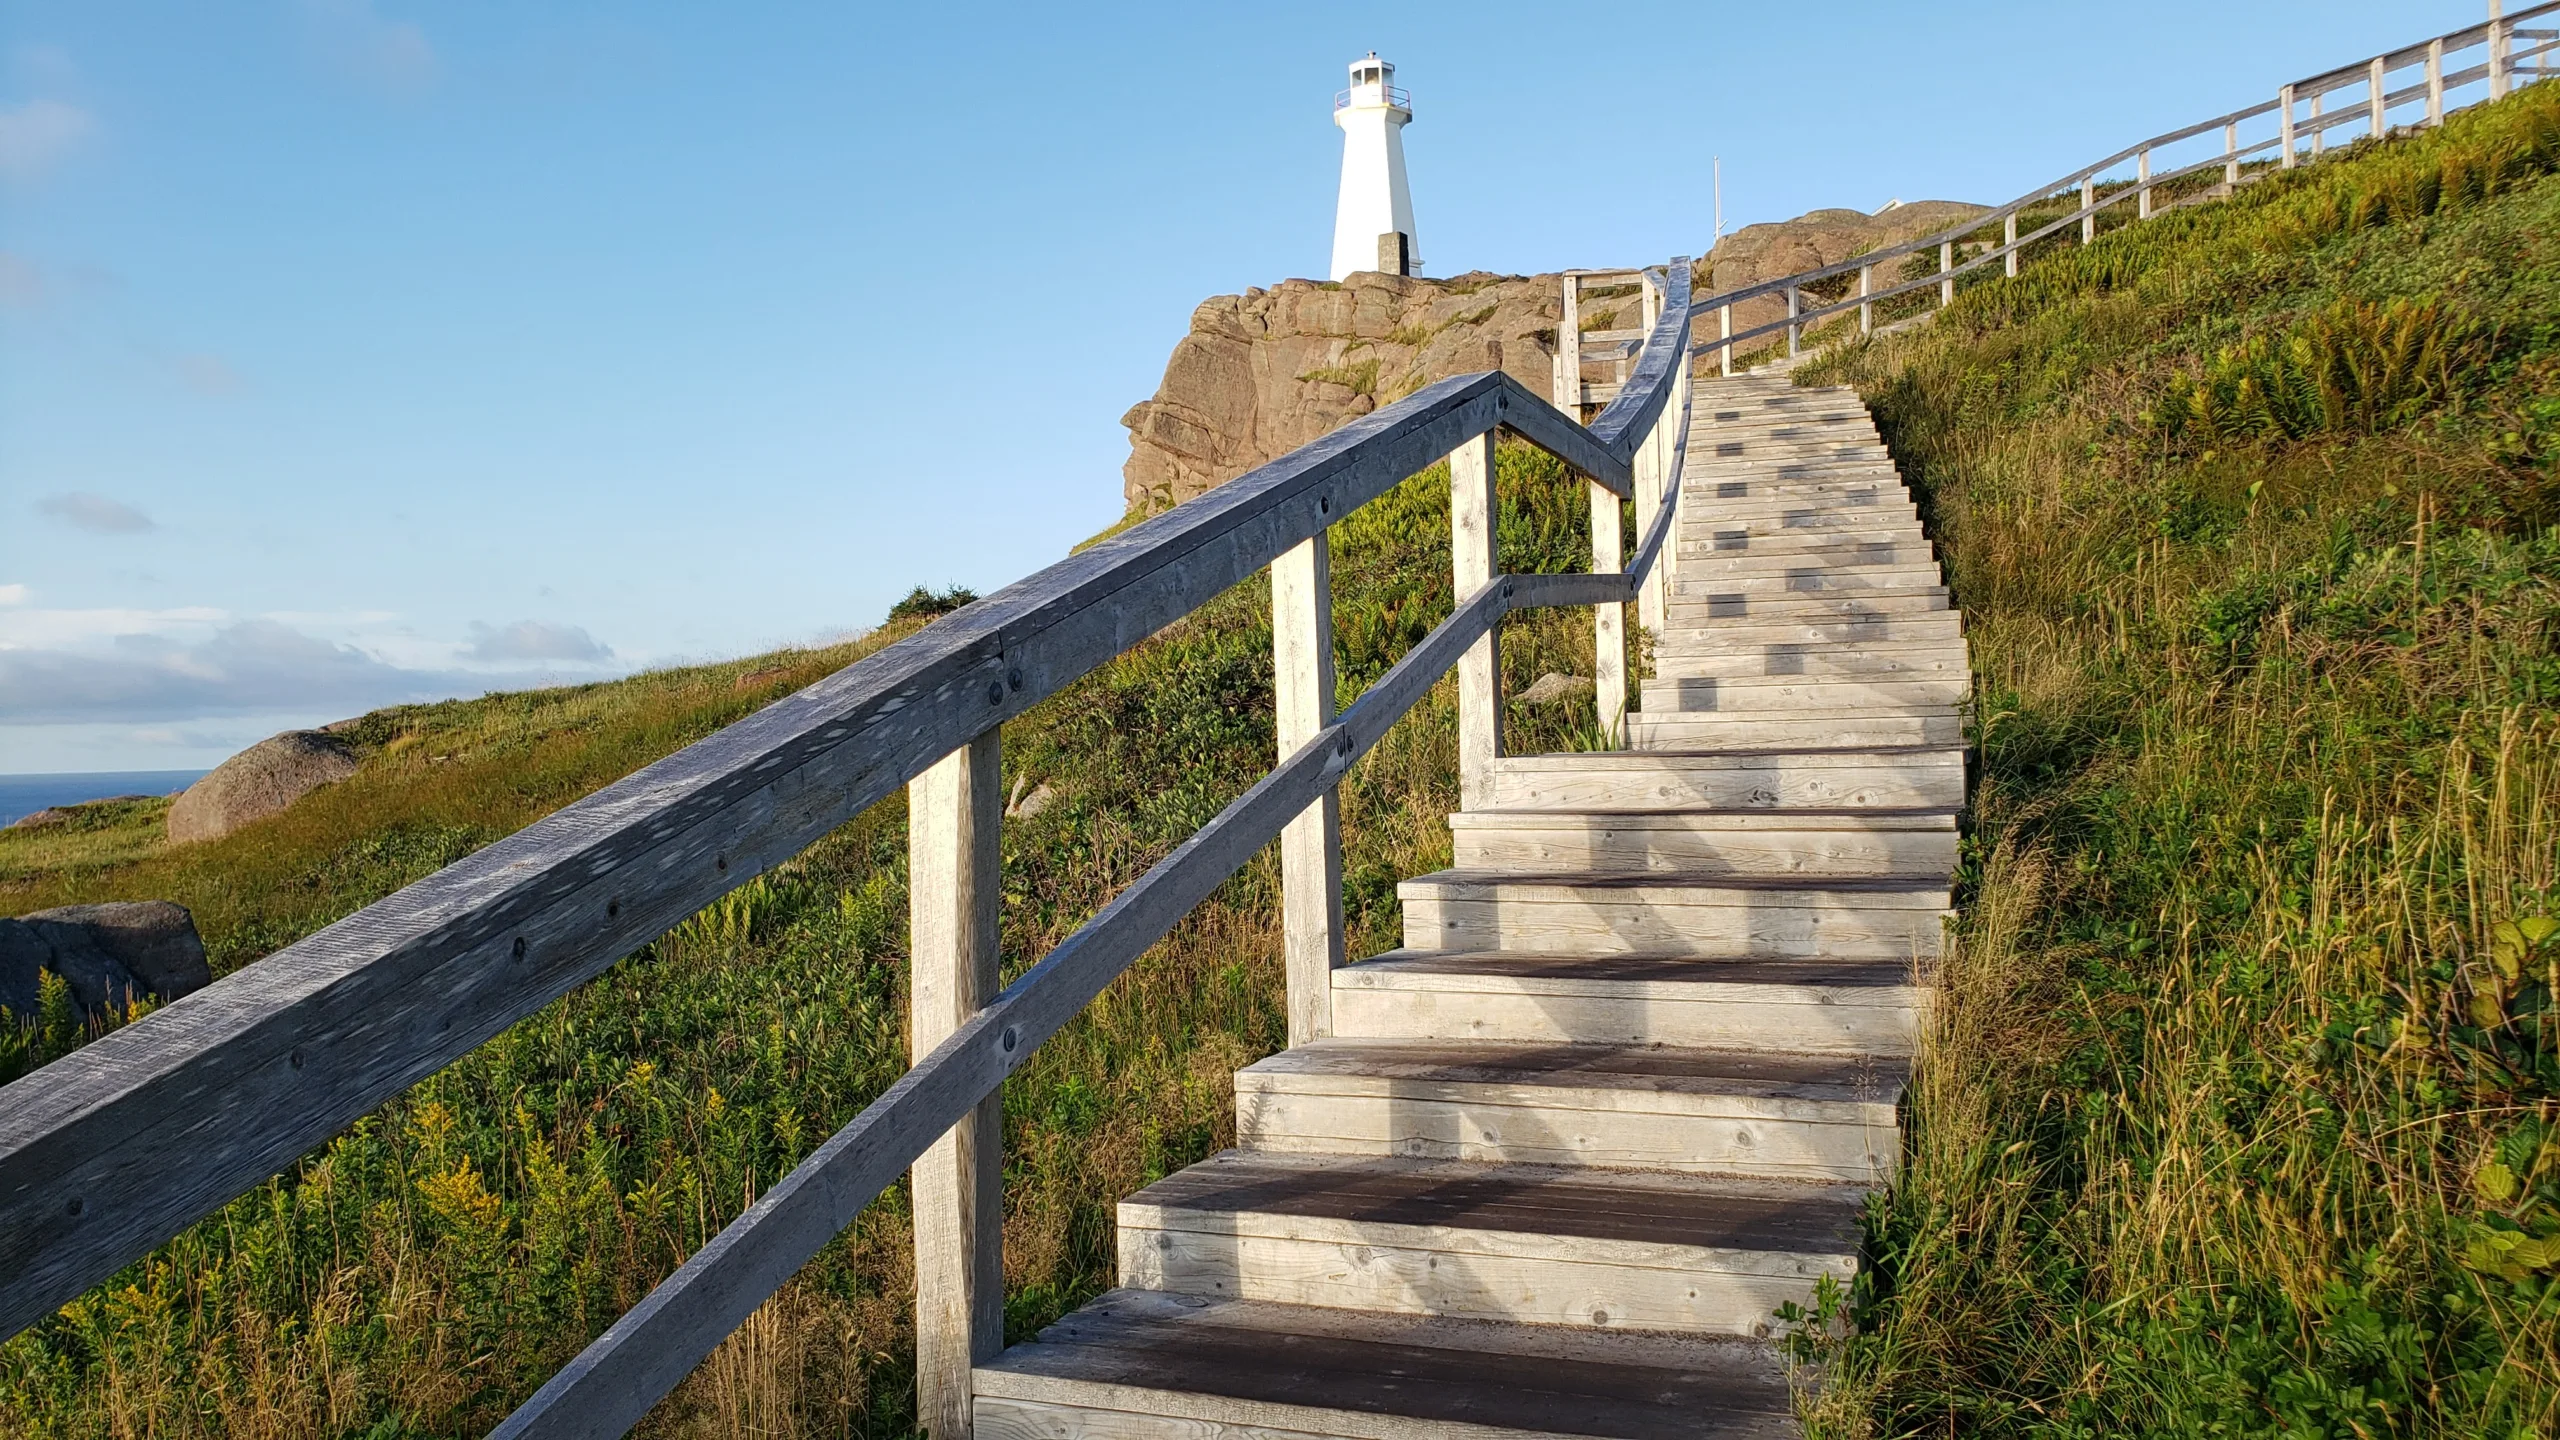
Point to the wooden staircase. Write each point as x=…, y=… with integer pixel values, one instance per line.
x=1622, y=1093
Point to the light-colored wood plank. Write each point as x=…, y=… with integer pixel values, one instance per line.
x=1473, y=541
x=1311, y=844
x=955, y=815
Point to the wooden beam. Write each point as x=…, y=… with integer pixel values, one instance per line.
x=1311, y=844
x=1473, y=564
x=1609, y=621
x=1568, y=390
x=955, y=817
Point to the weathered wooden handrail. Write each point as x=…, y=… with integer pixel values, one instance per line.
x=2502, y=65
x=120, y=1145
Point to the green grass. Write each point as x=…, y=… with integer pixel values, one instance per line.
x=2241, y=1116
x=425, y=1271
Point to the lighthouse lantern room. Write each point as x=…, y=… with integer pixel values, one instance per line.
x=1373, y=219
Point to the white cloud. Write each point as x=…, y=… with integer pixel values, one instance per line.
x=95, y=513
x=534, y=640
x=357, y=41
x=14, y=594
x=242, y=667
x=35, y=134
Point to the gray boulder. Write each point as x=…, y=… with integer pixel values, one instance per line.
x=97, y=979
x=23, y=957
x=154, y=941
x=258, y=782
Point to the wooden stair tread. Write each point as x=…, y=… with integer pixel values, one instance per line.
x=1630, y=968
x=1780, y=817
x=1710, y=756
x=1307, y=1370
x=1707, y=1212
x=1651, y=1069
x=1893, y=891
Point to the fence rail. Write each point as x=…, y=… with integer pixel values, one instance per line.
x=119, y=1146
x=2502, y=65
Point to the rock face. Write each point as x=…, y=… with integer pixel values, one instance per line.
x=110, y=955
x=1265, y=372
x=258, y=782
x=1808, y=242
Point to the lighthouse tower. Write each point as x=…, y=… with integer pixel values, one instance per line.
x=1373, y=220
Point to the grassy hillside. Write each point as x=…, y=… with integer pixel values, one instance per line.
x=2243, y=1118
x=427, y=1270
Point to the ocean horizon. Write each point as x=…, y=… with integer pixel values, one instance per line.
x=22, y=795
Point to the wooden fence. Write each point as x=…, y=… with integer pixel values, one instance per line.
x=115, y=1148
x=2508, y=53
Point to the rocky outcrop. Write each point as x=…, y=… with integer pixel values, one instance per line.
x=110, y=955
x=1809, y=242
x=1265, y=372
x=258, y=782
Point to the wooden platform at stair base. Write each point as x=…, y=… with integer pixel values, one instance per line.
x=1804, y=1005
x=1690, y=841
x=1882, y=777
x=1702, y=1255
x=1140, y=1365
x=1827, y=1118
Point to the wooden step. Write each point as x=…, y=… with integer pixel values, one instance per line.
x=1759, y=842
x=1756, y=694
x=1729, y=634
x=1642, y=1107
x=1713, y=607
x=1784, y=730
x=1704, y=549
x=1914, y=659
x=1929, y=777
x=1146, y=1365
x=1778, y=578
x=1718, y=540
x=1535, y=1245
x=1794, y=1005
x=1600, y=913
x=1702, y=566
x=1799, y=523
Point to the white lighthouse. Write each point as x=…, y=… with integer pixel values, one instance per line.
x=1373, y=220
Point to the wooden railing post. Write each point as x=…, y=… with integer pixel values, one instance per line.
x=1866, y=308
x=2435, y=82
x=2374, y=94
x=1569, y=350
x=1311, y=844
x=1472, y=566
x=1795, y=343
x=2088, y=208
x=2498, y=47
x=2142, y=177
x=1946, y=272
x=1724, y=318
x=2284, y=103
x=1647, y=464
x=2231, y=155
x=1609, y=622
x=2009, y=240
x=955, y=814
x=2319, y=132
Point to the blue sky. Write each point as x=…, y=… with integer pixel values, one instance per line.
x=364, y=350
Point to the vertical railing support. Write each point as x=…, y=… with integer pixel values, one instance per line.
x=1724, y=318
x=2374, y=97
x=1946, y=272
x=1609, y=622
x=2435, y=82
x=1647, y=463
x=2088, y=208
x=2284, y=104
x=1472, y=566
x=2142, y=178
x=2319, y=131
x=1311, y=844
x=2231, y=156
x=1795, y=343
x=955, y=814
x=1569, y=350
x=2498, y=48
x=1866, y=307
x=2009, y=242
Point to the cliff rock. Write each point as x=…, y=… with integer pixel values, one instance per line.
x=258, y=782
